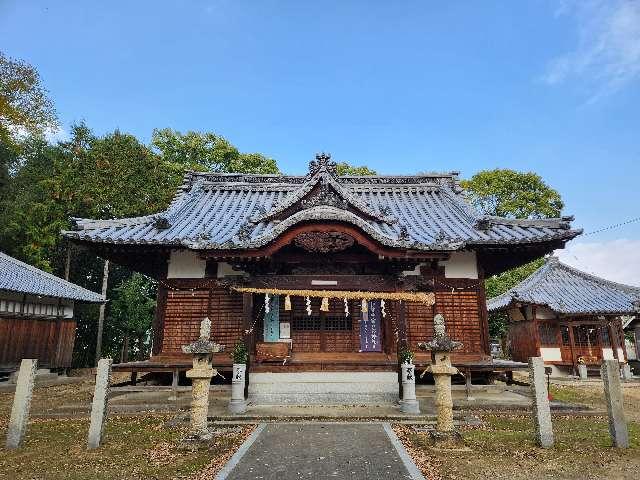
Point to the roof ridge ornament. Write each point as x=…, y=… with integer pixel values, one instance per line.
x=323, y=163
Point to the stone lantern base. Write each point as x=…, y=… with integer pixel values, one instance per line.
x=411, y=407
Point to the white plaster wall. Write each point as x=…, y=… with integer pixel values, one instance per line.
x=461, y=265
x=34, y=305
x=620, y=354
x=68, y=308
x=185, y=264
x=607, y=354
x=551, y=354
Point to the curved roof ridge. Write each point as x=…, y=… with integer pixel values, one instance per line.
x=95, y=224
x=564, y=295
x=321, y=178
x=522, y=287
x=555, y=261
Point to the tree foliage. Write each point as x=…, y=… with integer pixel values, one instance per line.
x=131, y=314
x=24, y=102
x=343, y=168
x=25, y=108
x=206, y=151
x=107, y=177
x=102, y=177
x=512, y=194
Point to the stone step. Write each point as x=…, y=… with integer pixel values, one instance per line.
x=323, y=388
x=314, y=398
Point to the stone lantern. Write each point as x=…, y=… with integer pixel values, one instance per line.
x=202, y=351
x=441, y=347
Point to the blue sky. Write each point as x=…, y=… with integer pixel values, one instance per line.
x=547, y=86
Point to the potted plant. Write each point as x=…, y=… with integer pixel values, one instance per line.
x=240, y=354
x=405, y=356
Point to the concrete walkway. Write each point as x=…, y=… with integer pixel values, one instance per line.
x=321, y=451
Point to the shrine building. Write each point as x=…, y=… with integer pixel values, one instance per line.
x=320, y=273
x=37, y=316
x=567, y=317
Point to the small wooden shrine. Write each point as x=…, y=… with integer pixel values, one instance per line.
x=320, y=272
x=567, y=317
x=36, y=315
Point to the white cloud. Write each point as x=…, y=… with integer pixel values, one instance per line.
x=607, y=56
x=616, y=260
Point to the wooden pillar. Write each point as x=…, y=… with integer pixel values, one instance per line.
x=105, y=281
x=158, y=319
x=613, y=340
x=620, y=336
x=249, y=337
x=572, y=345
x=56, y=355
x=483, y=314
x=247, y=319
x=536, y=331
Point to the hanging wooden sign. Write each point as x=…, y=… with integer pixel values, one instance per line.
x=370, y=331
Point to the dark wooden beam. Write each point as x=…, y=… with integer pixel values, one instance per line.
x=360, y=237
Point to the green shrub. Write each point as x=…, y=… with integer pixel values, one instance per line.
x=240, y=353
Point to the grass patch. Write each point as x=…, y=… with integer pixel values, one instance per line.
x=134, y=447
x=569, y=394
x=504, y=448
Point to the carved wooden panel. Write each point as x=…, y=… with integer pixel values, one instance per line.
x=324, y=242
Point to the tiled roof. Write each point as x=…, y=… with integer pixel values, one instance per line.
x=240, y=211
x=16, y=276
x=567, y=290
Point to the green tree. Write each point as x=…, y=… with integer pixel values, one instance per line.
x=343, y=168
x=25, y=108
x=131, y=316
x=104, y=177
x=31, y=215
x=512, y=194
x=9, y=154
x=24, y=102
x=107, y=177
x=206, y=151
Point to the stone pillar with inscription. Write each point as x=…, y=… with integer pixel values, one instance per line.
x=610, y=372
x=200, y=375
x=441, y=346
x=409, y=403
x=238, y=404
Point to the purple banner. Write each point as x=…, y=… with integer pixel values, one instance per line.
x=370, y=338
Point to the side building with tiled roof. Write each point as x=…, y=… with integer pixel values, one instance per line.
x=230, y=242
x=36, y=315
x=567, y=316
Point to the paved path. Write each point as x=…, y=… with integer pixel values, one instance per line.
x=288, y=451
